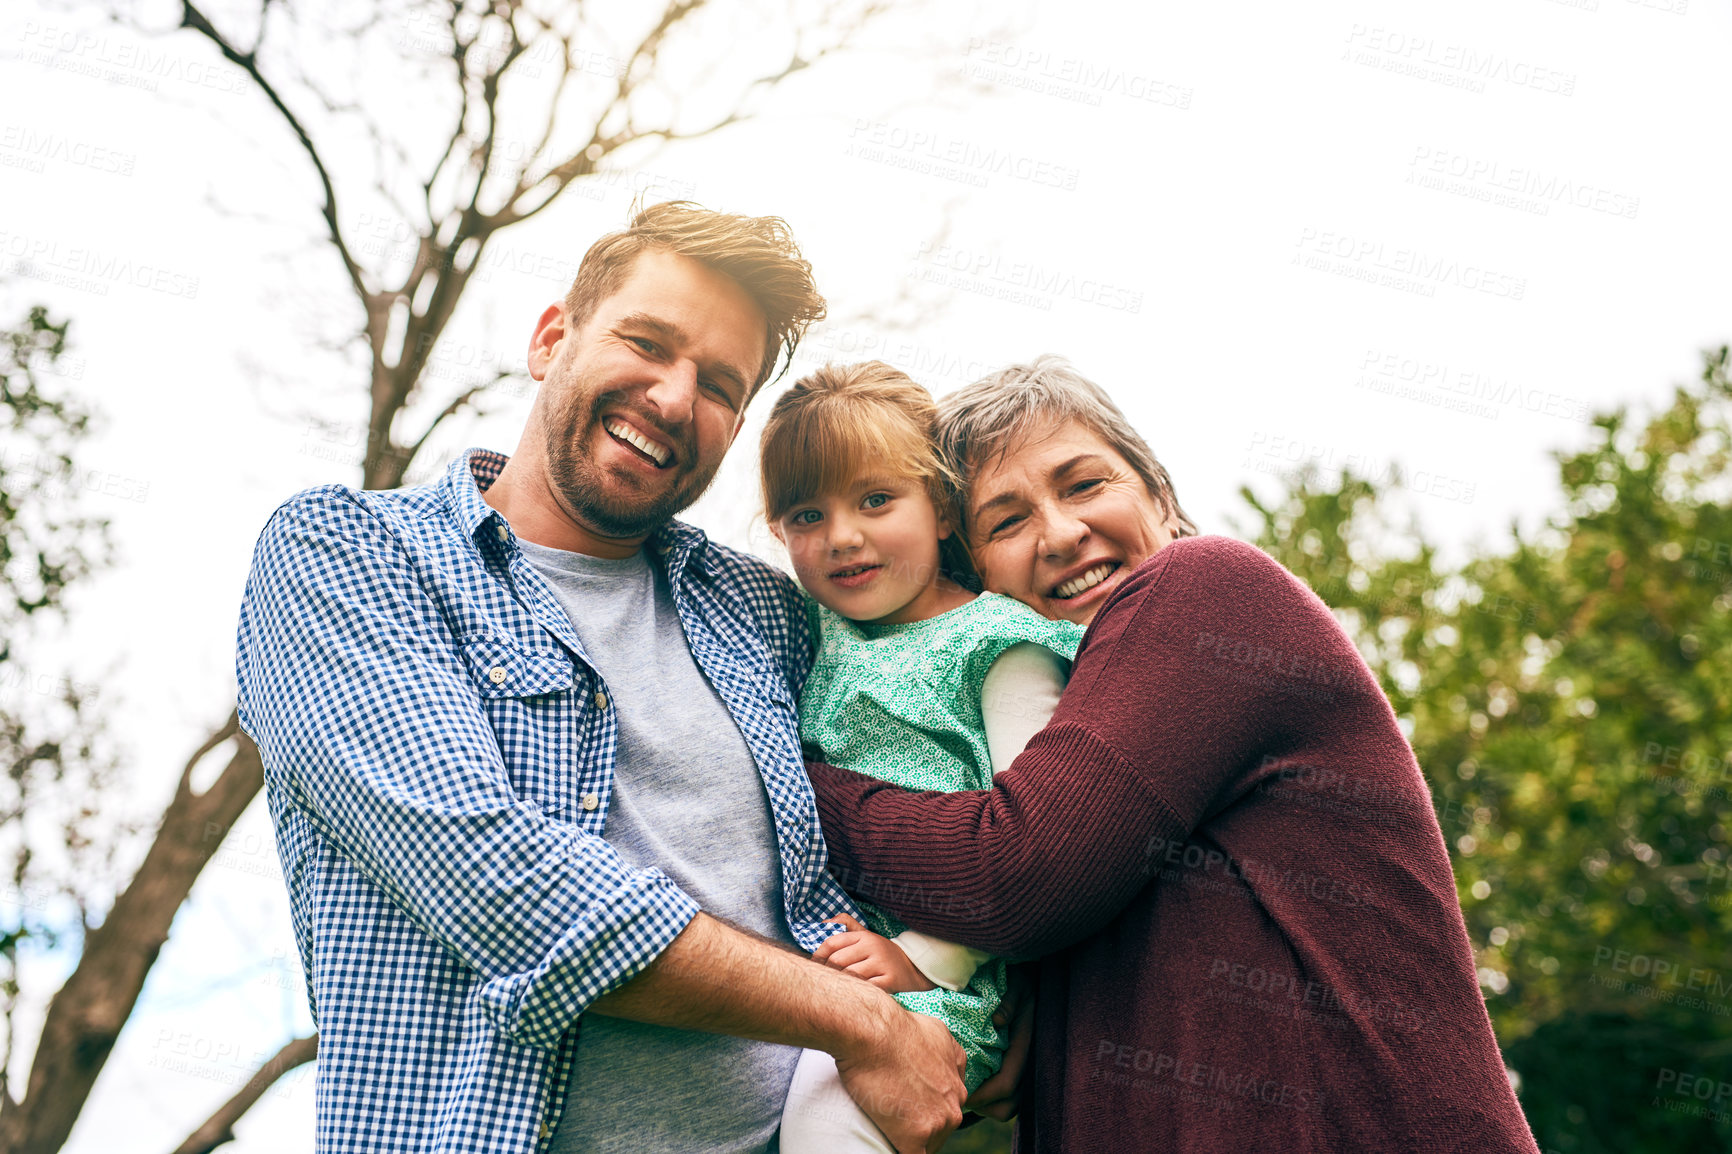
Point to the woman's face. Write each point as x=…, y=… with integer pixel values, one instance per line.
x=1060, y=520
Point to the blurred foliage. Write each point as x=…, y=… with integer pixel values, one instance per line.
x=46, y=543
x=984, y=1137
x=1569, y=697
x=55, y=768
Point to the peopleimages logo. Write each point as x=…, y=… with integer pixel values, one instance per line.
x=1458, y=65
x=1068, y=77
x=1372, y=257
x=991, y=273
x=40, y=148
x=1261, y=988
x=136, y=65
x=1513, y=185
x=90, y=269
x=1663, y=979
x=880, y=141
x=1121, y=1063
x=1473, y=391
x=1176, y=859
x=1289, y=457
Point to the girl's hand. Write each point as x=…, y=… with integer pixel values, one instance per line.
x=871, y=957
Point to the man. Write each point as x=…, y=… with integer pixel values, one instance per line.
x=520, y=727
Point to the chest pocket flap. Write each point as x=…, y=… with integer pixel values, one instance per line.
x=502, y=668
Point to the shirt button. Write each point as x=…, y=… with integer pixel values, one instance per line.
x=502, y=531
x=546, y=1130
x=496, y=675
x=590, y=801
x=600, y=699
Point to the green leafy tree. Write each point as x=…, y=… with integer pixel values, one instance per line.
x=1569, y=697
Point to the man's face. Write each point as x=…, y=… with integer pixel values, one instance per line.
x=644, y=399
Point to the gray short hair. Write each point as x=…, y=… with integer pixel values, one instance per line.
x=980, y=422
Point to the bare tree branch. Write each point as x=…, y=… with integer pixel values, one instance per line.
x=463, y=399
x=248, y=62
x=219, y=1127
x=459, y=52
x=583, y=161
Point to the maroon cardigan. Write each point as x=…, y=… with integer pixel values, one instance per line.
x=1224, y=852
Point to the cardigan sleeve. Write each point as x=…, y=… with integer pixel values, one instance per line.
x=1192, y=670
x=1020, y=692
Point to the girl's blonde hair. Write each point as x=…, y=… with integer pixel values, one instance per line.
x=843, y=422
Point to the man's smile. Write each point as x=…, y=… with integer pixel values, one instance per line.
x=656, y=453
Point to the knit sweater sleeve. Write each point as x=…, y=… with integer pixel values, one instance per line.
x=1190, y=672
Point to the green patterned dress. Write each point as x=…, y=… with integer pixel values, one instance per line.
x=902, y=704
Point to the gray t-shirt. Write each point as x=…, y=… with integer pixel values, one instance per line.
x=686, y=798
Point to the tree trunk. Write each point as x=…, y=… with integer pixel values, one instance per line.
x=86, y=1016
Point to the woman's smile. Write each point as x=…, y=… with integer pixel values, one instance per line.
x=1063, y=519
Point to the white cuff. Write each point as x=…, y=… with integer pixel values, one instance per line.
x=944, y=963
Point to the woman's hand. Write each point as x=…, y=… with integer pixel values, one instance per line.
x=997, y=1096
x=871, y=957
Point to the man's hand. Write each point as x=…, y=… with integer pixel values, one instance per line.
x=909, y=1081
x=871, y=957
x=905, y=1070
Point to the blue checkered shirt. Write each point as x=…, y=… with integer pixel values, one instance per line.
x=438, y=756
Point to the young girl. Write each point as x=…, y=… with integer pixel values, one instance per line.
x=918, y=681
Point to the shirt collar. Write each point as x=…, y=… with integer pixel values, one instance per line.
x=674, y=544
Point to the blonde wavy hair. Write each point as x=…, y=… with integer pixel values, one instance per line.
x=843, y=422
x=757, y=252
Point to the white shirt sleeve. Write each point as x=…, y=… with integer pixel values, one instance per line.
x=944, y=963
x=1018, y=697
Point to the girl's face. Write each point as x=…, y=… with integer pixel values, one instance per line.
x=870, y=552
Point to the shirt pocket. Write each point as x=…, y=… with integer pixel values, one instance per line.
x=528, y=696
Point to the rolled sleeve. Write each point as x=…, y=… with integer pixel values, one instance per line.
x=352, y=685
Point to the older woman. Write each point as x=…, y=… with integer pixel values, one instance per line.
x=1221, y=845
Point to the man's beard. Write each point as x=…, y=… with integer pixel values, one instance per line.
x=602, y=503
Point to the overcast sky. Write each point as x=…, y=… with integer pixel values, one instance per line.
x=1356, y=234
